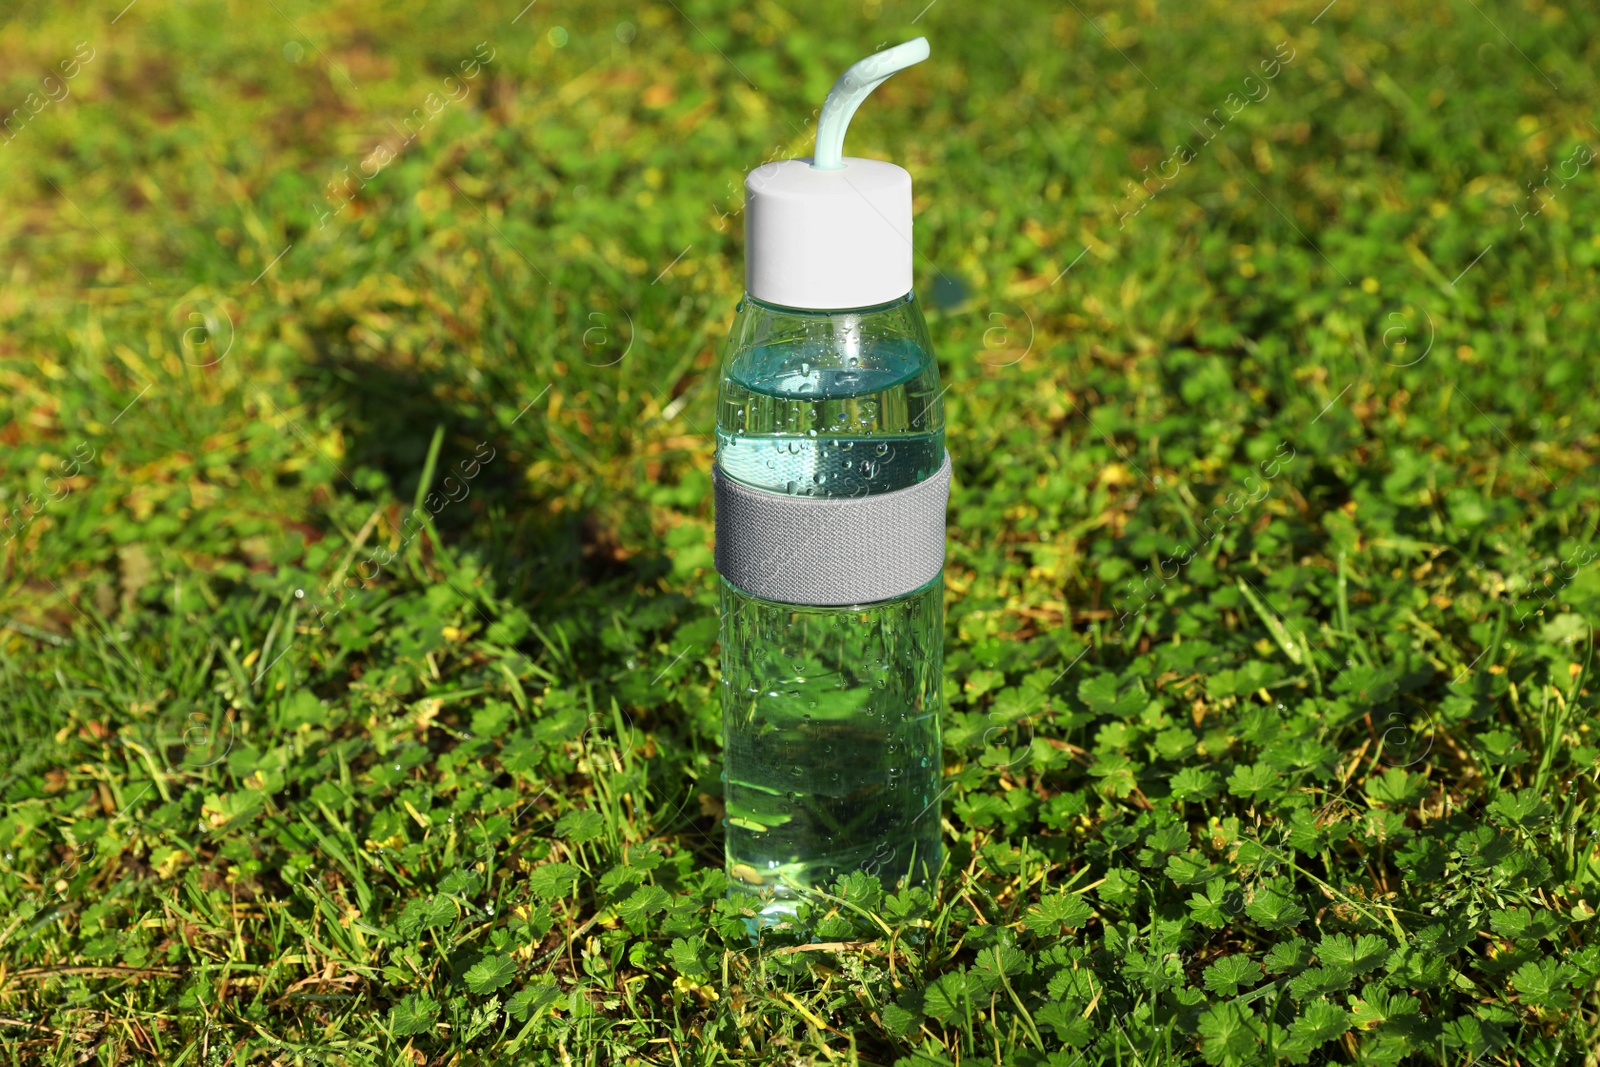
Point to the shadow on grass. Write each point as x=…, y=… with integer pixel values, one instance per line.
x=595, y=613
x=541, y=548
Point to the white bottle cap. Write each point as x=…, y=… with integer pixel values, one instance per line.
x=833, y=232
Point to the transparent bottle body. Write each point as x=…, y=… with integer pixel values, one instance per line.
x=832, y=754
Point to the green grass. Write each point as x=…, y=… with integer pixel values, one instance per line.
x=1271, y=696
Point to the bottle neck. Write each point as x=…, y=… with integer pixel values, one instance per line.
x=781, y=309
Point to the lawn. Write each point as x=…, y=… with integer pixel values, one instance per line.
x=358, y=645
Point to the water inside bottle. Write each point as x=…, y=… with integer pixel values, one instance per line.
x=811, y=430
x=831, y=715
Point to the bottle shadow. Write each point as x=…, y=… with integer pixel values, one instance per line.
x=590, y=609
x=541, y=550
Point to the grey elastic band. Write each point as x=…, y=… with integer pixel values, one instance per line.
x=831, y=551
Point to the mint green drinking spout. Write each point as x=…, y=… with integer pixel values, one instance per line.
x=853, y=86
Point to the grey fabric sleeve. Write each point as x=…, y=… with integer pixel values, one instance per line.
x=831, y=551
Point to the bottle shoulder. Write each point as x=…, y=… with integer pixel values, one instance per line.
x=830, y=403
x=817, y=354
